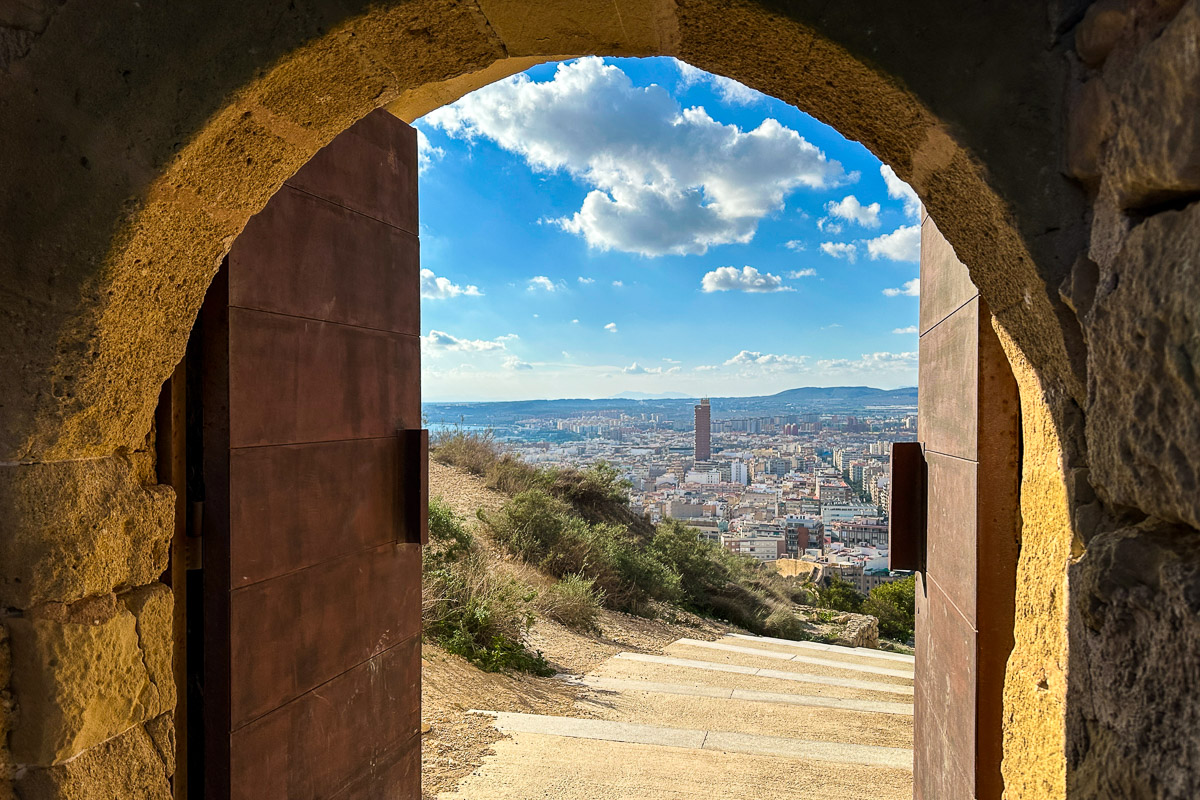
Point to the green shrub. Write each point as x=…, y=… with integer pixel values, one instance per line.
x=470, y=451
x=593, y=490
x=783, y=624
x=839, y=594
x=547, y=533
x=574, y=601
x=703, y=567
x=509, y=475
x=483, y=616
x=467, y=607
x=739, y=607
x=448, y=539
x=894, y=605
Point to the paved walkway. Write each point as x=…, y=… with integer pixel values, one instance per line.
x=744, y=717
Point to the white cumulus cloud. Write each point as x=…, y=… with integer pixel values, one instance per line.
x=611, y=327
x=426, y=152
x=846, y=250
x=512, y=362
x=899, y=190
x=871, y=362
x=807, y=272
x=665, y=180
x=767, y=361
x=637, y=369
x=795, y=245
x=727, y=89
x=905, y=330
x=544, y=283
x=909, y=289
x=851, y=210
x=435, y=288
x=902, y=244
x=440, y=341
x=747, y=279
x=585, y=281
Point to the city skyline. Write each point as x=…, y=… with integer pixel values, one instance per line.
x=640, y=226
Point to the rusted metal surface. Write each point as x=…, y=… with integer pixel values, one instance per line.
x=414, y=494
x=344, y=739
x=340, y=266
x=969, y=423
x=310, y=503
x=944, y=736
x=315, y=507
x=371, y=168
x=295, y=380
x=293, y=633
x=906, y=507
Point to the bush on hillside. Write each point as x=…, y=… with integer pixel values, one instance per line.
x=894, y=605
x=469, y=451
x=547, y=533
x=574, y=601
x=467, y=606
x=784, y=624
x=839, y=594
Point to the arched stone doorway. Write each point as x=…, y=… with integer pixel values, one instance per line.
x=137, y=142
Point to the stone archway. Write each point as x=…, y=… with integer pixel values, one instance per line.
x=135, y=142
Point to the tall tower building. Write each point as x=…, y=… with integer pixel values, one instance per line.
x=703, y=431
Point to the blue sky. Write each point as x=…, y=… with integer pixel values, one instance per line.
x=604, y=226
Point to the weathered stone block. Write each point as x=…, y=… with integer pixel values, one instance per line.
x=86, y=672
x=79, y=528
x=1155, y=152
x=128, y=767
x=1143, y=334
x=1135, y=665
x=1100, y=30
x=1087, y=128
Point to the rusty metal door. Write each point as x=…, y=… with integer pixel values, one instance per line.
x=313, y=477
x=969, y=429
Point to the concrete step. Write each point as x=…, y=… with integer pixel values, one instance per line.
x=740, y=715
x=530, y=766
x=774, y=661
x=870, y=688
x=701, y=739
x=799, y=658
x=831, y=650
x=745, y=678
x=733, y=693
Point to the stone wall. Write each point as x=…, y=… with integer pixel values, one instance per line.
x=85, y=632
x=1134, y=136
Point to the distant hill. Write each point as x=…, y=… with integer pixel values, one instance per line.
x=865, y=393
x=677, y=406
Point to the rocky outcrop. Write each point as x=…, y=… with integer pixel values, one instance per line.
x=861, y=631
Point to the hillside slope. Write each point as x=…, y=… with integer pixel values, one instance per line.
x=455, y=742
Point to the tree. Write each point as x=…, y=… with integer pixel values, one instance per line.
x=839, y=594
x=894, y=605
